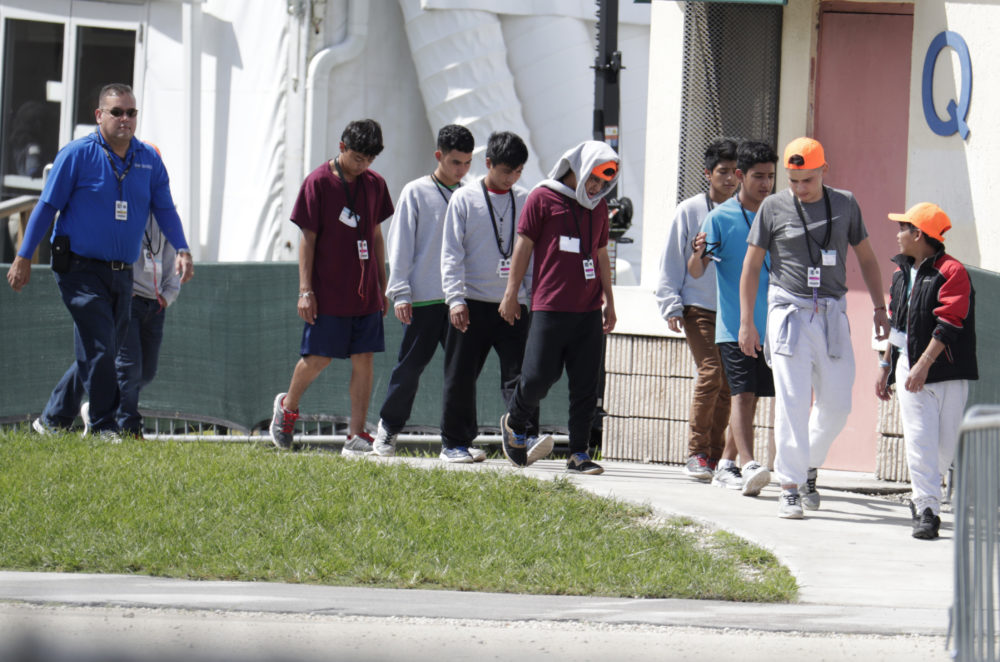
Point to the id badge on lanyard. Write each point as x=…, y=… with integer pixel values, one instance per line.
x=589, y=273
x=151, y=265
x=813, y=278
x=503, y=267
x=121, y=210
x=362, y=249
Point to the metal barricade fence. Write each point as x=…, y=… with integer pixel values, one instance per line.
x=973, y=626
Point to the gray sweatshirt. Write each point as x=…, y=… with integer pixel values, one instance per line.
x=414, y=243
x=676, y=288
x=156, y=275
x=470, y=256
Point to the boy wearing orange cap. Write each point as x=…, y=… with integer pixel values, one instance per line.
x=931, y=352
x=806, y=230
x=564, y=226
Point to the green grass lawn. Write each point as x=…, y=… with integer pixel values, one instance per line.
x=247, y=512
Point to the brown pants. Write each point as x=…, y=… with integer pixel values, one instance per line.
x=710, y=405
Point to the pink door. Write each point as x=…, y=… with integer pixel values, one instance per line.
x=860, y=115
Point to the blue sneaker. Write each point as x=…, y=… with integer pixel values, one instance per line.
x=539, y=448
x=515, y=446
x=458, y=455
x=580, y=463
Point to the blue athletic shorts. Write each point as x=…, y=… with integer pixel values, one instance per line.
x=746, y=374
x=339, y=337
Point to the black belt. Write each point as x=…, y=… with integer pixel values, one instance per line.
x=114, y=265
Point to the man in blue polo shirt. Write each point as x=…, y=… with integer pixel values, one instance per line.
x=104, y=187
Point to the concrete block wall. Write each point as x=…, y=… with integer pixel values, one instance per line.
x=891, y=461
x=648, y=389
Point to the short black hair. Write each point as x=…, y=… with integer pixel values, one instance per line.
x=364, y=137
x=455, y=138
x=722, y=149
x=506, y=148
x=113, y=89
x=752, y=152
x=936, y=246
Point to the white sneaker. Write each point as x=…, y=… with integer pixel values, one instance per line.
x=539, y=448
x=790, y=505
x=755, y=478
x=810, y=497
x=357, y=445
x=477, y=454
x=384, y=444
x=729, y=478
x=85, y=417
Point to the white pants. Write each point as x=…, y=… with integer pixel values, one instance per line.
x=804, y=428
x=931, y=419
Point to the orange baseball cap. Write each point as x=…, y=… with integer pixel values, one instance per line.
x=804, y=154
x=606, y=170
x=927, y=217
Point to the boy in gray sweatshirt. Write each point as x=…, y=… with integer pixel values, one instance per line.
x=414, y=247
x=479, y=236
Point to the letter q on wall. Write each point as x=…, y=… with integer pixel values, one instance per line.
x=957, y=111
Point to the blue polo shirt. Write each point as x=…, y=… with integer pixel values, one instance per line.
x=84, y=187
x=726, y=231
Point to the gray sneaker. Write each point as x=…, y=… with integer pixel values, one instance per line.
x=283, y=424
x=85, y=417
x=755, y=478
x=729, y=478
x=43, y=428
x=385, y=442
x=478, y=454
x=810, y=497
x=357, y=445
x=790, y=505
x=109, y=437
x=539, y=448
x=458, y=455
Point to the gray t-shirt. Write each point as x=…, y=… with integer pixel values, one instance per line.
x=778, y=229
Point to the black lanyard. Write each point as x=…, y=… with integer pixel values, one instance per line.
x=579, y=232
x=496, y=229
x=441, y=189
x=350, y=198
x=767, y=264
x=114, y=168
x=709, y=202
x=805, y=227
x=149, y=240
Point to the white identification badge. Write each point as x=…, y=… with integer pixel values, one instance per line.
x=812, y=277
x=349, y=218
x=569, y=244
x=829, y=258
x=363, y=249
x=588, y=268
x=150, y=264
x=121, y=210
x=503, y=267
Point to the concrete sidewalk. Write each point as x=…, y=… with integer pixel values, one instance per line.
x=858, y=569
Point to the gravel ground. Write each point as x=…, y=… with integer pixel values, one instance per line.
x=109, y=634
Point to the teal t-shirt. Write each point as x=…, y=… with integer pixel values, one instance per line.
x=726, y=228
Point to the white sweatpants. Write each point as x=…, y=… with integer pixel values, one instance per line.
x=804, y=428
x=931, y=420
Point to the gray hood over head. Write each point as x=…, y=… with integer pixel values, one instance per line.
x=581, y=160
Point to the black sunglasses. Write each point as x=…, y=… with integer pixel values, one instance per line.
x=118, y=112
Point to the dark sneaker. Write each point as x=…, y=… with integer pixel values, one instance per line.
x=43, y=428
x=458, y=455
x=810, y=497
x=697, y=467
x=85, y=417
x=729, y=478
x=539, y=448
x=283, y=424
x=580, y=463
x=755, y=478
x=926, y=525
x=384, y=444
x=515, y=446
x=790, y=505
x=357, y=445
x=478, y=454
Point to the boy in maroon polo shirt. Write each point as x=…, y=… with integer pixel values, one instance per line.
x=341, y=279
x=565, y=225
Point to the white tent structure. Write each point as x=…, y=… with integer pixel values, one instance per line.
x=245, y=97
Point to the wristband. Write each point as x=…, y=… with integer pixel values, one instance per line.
x=305, y=295
x=883, y=363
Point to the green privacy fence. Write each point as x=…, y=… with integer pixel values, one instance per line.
x=230, y=343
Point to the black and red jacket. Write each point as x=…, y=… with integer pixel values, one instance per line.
x=941, y=305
